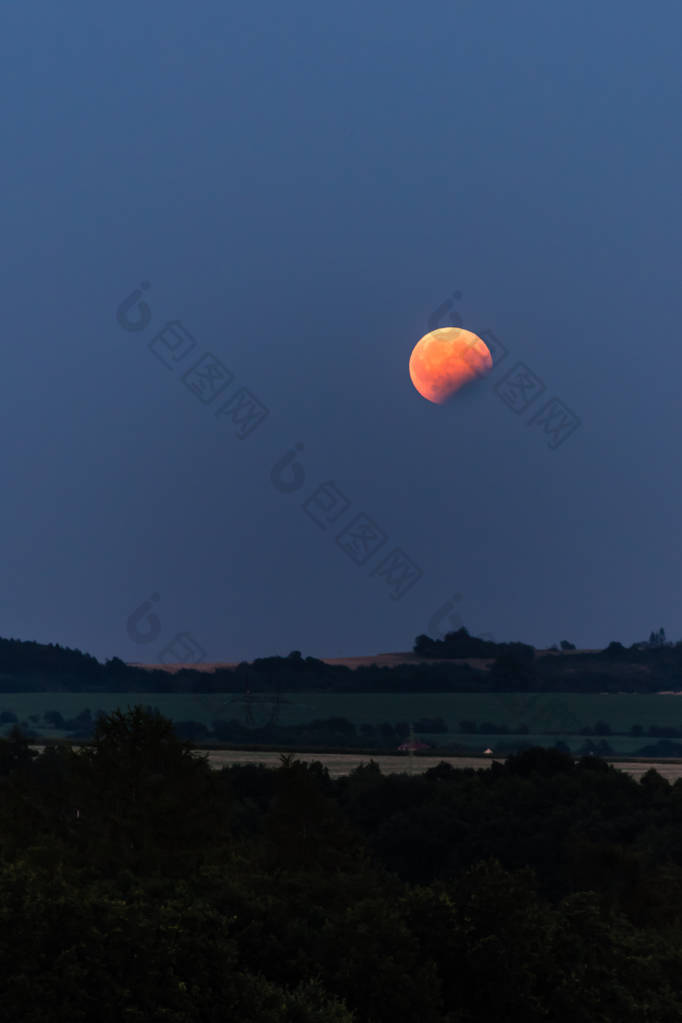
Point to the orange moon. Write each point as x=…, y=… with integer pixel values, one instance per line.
x=445, y=360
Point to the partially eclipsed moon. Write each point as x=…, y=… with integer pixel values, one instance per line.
x=447, y=359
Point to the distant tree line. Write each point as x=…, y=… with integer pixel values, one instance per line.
x=461, y=644
x=333, y=731
x=506, y=667
x=339, y=733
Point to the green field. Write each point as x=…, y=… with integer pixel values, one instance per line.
x=559, y=715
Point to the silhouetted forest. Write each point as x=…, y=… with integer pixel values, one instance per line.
x=644, y=667
x=136, y=883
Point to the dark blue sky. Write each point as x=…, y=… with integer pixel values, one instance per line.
x=302, y=186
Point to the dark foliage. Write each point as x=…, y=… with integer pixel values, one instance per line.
x=644, y=667
x=136, y=883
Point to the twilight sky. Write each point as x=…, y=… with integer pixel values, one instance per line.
x=302, y=186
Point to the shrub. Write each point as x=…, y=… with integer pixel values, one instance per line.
x=190, y=730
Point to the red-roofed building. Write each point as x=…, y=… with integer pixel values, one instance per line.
x=413, y=746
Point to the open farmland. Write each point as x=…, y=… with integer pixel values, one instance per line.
x=340, y=764
x=556, y=712
x=541, y=718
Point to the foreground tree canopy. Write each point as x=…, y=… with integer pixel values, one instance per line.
x=138, y=884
